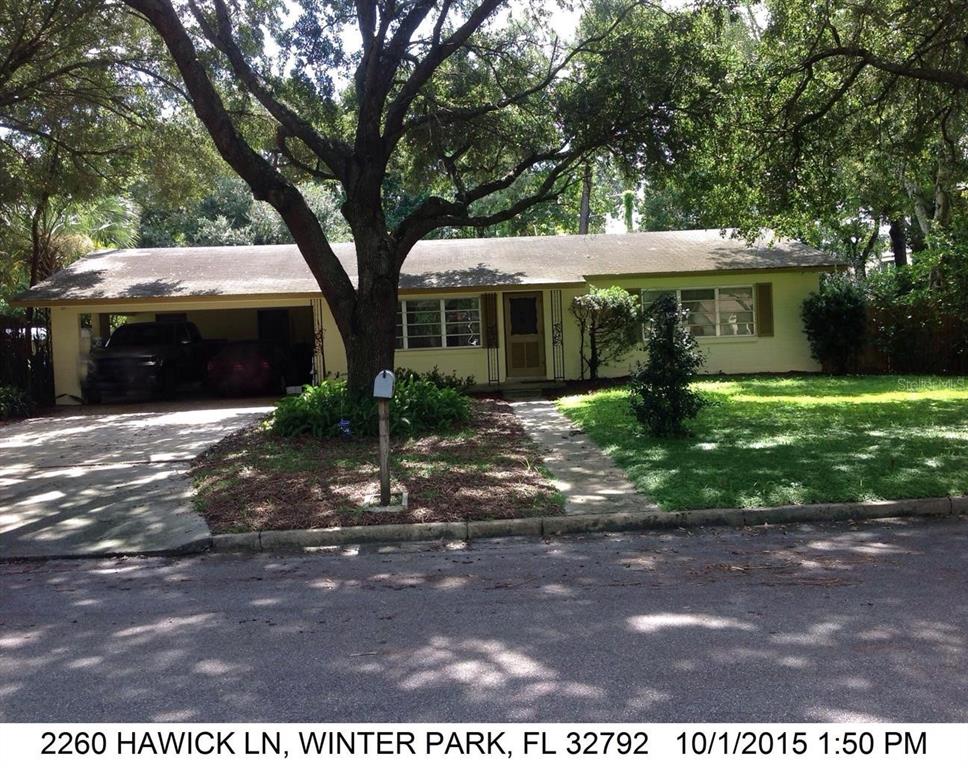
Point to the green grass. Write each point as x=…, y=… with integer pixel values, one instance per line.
x=765, y=441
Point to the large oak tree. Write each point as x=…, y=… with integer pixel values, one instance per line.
x=426, y=114
x=849, y=115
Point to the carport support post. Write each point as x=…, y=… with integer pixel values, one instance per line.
x=383, y=411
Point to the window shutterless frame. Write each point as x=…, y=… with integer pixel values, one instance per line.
x=717, y=303
x=437, y=327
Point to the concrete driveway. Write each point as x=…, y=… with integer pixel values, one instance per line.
x=109, y=479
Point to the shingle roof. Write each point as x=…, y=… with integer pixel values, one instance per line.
x=444, y=264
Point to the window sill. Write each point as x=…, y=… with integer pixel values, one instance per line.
x=727, y=339
x=440, y=349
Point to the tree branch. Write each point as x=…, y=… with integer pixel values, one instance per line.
x=928, y=74
x=438, y=53
x=332, y=152
x=266, y=183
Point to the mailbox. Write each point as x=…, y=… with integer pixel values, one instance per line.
x=383, y=385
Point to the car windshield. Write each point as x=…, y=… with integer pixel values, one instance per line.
x=146, y=335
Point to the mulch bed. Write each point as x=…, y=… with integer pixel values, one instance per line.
x=489, y=470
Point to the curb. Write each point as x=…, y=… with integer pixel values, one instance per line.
x=193, y=547
x=560, y=525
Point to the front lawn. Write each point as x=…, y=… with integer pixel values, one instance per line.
x=766, y=441
x=254, y=480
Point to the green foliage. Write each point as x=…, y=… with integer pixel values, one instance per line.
x=438, y=378
x=14, y=403
x=835, y=321
x=659, y=390
x=608, y=320
x=919, y=313
x=418, y=407
x=228, y=215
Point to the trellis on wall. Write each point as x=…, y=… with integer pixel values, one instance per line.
x=557, y=336
x=489, y=316
x=319, y=356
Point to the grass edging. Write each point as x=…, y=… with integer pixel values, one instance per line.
x=270, y=541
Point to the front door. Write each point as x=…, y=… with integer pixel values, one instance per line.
x=524, y=334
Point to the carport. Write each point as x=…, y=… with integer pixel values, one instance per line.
x=283, y=322
x=257, y=293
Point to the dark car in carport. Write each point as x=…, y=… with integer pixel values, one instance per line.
x=148, y=359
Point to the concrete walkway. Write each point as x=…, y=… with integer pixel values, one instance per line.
x=109, y=479
x=591, y=482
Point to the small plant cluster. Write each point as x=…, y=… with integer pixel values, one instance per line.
x=438, y=378
x=659, y=390
x=329, y=410
x=14, y=403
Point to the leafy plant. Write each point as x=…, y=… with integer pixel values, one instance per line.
x=14, y=403
x=835, y=321
x=330, y=410
x=918, y=312
x=659, y=389
x=436, y=377
x=608, y=321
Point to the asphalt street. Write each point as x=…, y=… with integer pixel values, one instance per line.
x=807, y=623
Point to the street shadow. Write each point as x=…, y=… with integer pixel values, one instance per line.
x=808, y=623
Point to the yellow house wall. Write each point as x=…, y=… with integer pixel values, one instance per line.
x=67, y=359
x=464, y=361
x=786, y=350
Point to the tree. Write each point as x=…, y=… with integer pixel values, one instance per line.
x=76, y=114
x=225, y=213
x=659, y=391
x=474, y=110
x=848, y=116
x=609, y=322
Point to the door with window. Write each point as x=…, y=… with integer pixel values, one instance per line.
x=524, y=335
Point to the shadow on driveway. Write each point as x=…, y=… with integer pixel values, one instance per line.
x=108, y=479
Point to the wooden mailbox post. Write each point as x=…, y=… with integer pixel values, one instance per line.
x=383, y=391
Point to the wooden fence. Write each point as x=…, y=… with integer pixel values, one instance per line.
x=915, y=341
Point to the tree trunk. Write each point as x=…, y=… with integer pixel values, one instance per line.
x=593, y=361
x=899, y=242
x=370, y=334
x=628, y=212
x=921, y=214
x=585, y=211
x=868, y=248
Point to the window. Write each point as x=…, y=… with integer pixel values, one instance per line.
x=428, y=323
x=712, y=311
x=735, y=311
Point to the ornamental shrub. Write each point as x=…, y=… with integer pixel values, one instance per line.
x=659, y=390
x=328, y=410
x=835, y=320
x=14, y=403
x=608, y=323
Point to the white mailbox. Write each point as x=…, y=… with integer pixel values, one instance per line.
x=383, y=385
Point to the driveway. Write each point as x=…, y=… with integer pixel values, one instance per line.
x=109, y=479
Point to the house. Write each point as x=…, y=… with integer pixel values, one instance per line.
x=492, y=308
